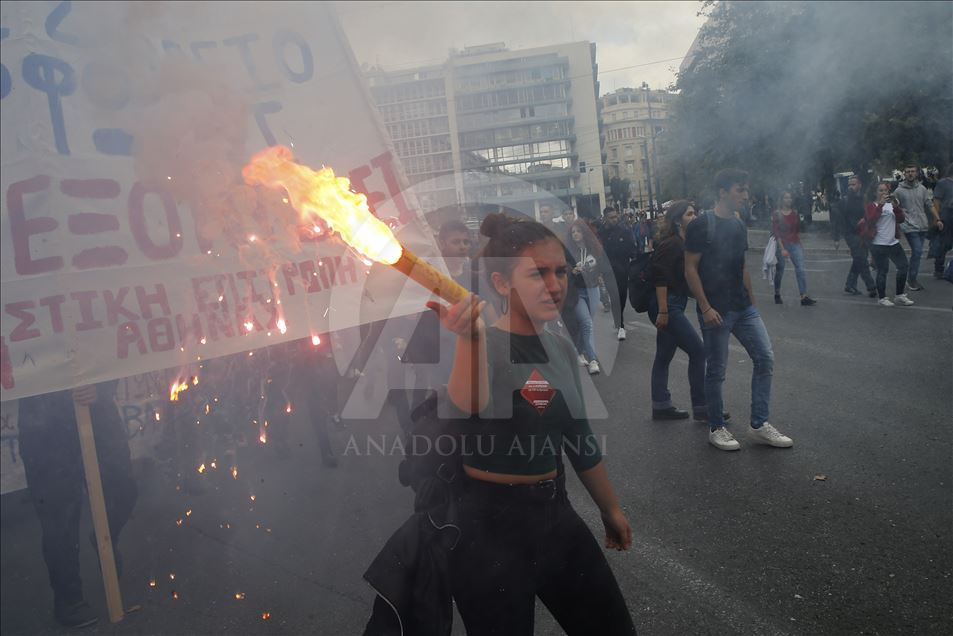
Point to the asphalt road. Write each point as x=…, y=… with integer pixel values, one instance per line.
x=751, y=542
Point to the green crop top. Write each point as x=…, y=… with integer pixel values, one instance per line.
x=536, y=408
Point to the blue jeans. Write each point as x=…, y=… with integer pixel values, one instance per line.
x=797, y=257
x=585, y=340
x=915, y=239
x=748, y=328
x=678, y=334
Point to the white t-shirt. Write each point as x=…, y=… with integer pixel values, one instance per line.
x=886, y=227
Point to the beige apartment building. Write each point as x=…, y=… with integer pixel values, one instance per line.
x=633, y=125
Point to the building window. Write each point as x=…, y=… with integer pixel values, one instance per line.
x=630, y=167
x=629, y=151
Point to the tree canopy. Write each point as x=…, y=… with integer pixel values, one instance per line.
x=796, y=91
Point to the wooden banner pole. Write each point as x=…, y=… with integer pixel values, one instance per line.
x=97, y=507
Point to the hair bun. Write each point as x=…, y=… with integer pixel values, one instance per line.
x=494, y=224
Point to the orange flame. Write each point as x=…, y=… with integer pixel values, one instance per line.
x=322, y=194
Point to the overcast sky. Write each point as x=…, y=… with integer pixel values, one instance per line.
x=404, y=34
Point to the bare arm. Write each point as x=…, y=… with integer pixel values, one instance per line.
x=936, y=214
x=709, y=314
x=661, y=295
x=618, y=530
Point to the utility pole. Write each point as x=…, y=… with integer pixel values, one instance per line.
x=653, y=159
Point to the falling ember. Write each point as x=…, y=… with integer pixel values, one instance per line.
x=157, y=416
x=252, y=497
x=171, y=576
x=195, y=380
x=175, y=595
x=235, y=471
x=249, y=326
x=282, y=326
x=288, y=408
x=152, y=582
x=239, y=596
x=252, y=238
x=178, y=522
x=201, y=468
x=203, y=340
x=188, y=513
x=263, y=438
x=175, y=389
x=214, y=464
x=315, y=340
x=322, y=194
x=207, y=409
x=265, y=616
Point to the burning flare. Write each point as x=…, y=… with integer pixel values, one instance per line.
x=323, y=195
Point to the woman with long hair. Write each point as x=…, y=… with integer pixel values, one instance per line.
x=519, y=536
x=587, y=261
x=882, y=218
x=667, y=312
x=786, y=228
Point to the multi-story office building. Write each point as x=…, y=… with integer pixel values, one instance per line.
x=632, y=121
x=492, y=127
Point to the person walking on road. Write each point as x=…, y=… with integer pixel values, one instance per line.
x=917, y=206
x=667, y=312
x=943, y=209
x=715, y=246
x=850, y=212
x=619, y=245
x=884, y=217
x=587, y=262
x=785, y=225
x=519, y=536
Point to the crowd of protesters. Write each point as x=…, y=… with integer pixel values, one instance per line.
x=693, y=253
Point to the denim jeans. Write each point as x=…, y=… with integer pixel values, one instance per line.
x=748, y=328
x=678, y=334
x=915, y=239
x=585, y=338
x=895, y=253
x=859, y=265
x=797, y=257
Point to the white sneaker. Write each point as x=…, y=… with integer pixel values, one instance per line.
x=902, y=300
x=594, y=367
x=582, y=360
x=885, y=302
x=621, y=333
x=721, y=438
x=769, y=435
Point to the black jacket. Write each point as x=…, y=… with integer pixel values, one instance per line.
x=849, y=212
x=619, y=245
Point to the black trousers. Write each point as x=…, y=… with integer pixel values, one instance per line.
x=858, y=266
x=621, y=275
x=513, y=549
x=895, y=253
x=54, y=471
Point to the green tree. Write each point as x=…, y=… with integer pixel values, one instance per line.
x=795, y=91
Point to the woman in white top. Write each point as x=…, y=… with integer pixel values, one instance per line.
x=883, y=216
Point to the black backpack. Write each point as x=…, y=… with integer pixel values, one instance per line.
x=641, y=288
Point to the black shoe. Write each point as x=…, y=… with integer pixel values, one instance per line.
x=853, y=291
x=703, y=417
x=871, y=293
x=75, y=615
x=777, y=299
x=807, y=301
x=671, y=413
x=914, y=286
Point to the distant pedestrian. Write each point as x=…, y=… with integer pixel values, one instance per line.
x=785, y=226
x=587, y=260
x=943, y=209
x=884, y=216
x=619, y=245
x=847, y=215
x=715, y=246
x=917, y=206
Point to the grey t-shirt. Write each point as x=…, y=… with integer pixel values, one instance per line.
x=916, y=203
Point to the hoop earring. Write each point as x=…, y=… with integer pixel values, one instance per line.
x=505, y=305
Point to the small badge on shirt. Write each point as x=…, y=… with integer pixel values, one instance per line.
x=538, y=391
